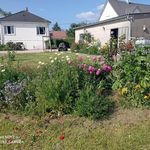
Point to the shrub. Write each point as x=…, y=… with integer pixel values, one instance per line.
x=92, y=105
x=132, y=78
x=15, y=46
x=4, y=47
x=11, y=55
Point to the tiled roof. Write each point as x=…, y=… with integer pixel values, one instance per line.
x=58, y=34
x=24, y=16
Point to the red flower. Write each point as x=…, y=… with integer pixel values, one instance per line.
x=62, y=137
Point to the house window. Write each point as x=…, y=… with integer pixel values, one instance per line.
x=40, y=30
x=9, y=30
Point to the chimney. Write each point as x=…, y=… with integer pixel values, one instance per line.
x=27, y=9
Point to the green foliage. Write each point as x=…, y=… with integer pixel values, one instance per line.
x=92, y=105
x=11, y=55
x=132, y=78
x=93, y=50
x=4, y=47
x=74, y=47
x=71, y=30
x=56, y=27
x=56, y=87
x=15, y=46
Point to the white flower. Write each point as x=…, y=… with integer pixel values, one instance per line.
x=3, y=70
x=52, y=61
x=63, y=57
x=68, y=58
x=61, y=52
x=58, y=54
x=55, y=58
x=88, y=56
x=55, y=53
x=1, y=65
x=42, y=63
x=50, y=57
x=39, y=62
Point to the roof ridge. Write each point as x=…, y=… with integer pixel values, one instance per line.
x=12, y=14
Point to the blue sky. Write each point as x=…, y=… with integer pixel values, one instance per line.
x=64, y=12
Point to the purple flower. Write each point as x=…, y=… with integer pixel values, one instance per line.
x=98, y=72
x=91, y=69
x=107, y=68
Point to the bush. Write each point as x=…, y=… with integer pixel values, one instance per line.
x=92, y=105
x=132, y=78
x=93, y=50
x=4, y=47
x=15, y=46
x=11, y=55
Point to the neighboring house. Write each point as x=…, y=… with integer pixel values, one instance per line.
x=119, y=18
x=24, y=27
x=58, y=35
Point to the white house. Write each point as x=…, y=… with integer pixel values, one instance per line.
x=119, y=17
x=24, y=27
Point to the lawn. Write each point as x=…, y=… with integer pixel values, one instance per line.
x=124, y=129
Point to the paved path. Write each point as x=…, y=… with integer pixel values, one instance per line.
x=28, y=51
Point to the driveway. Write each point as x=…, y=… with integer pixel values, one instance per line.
x=28, y=51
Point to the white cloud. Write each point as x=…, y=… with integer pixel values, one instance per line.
x=100, y=7
x=89, y=15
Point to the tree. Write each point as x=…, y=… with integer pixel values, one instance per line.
x=4, y=13
x=56, y=27
x=71, y=30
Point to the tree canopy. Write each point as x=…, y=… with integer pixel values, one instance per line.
x=4, y=13
x=71, y=30
x=56, y=27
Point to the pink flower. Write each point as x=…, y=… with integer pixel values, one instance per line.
x=98, y=72
x=84, y=66
x=107, y=68
x=94, y=59
x=91, y=69
x=80, y=58
x=69, y=61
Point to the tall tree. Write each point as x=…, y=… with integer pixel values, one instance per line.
x=56, y=27
x=4, y=13
x=71, y=30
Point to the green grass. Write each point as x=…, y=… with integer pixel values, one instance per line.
x=117, y=133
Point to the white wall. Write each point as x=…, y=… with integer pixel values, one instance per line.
x=26, y=32
x=101, y=33
x=108, y=12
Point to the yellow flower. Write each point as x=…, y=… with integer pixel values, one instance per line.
x=137, y=86
x=145, y=97
x=124, y=91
